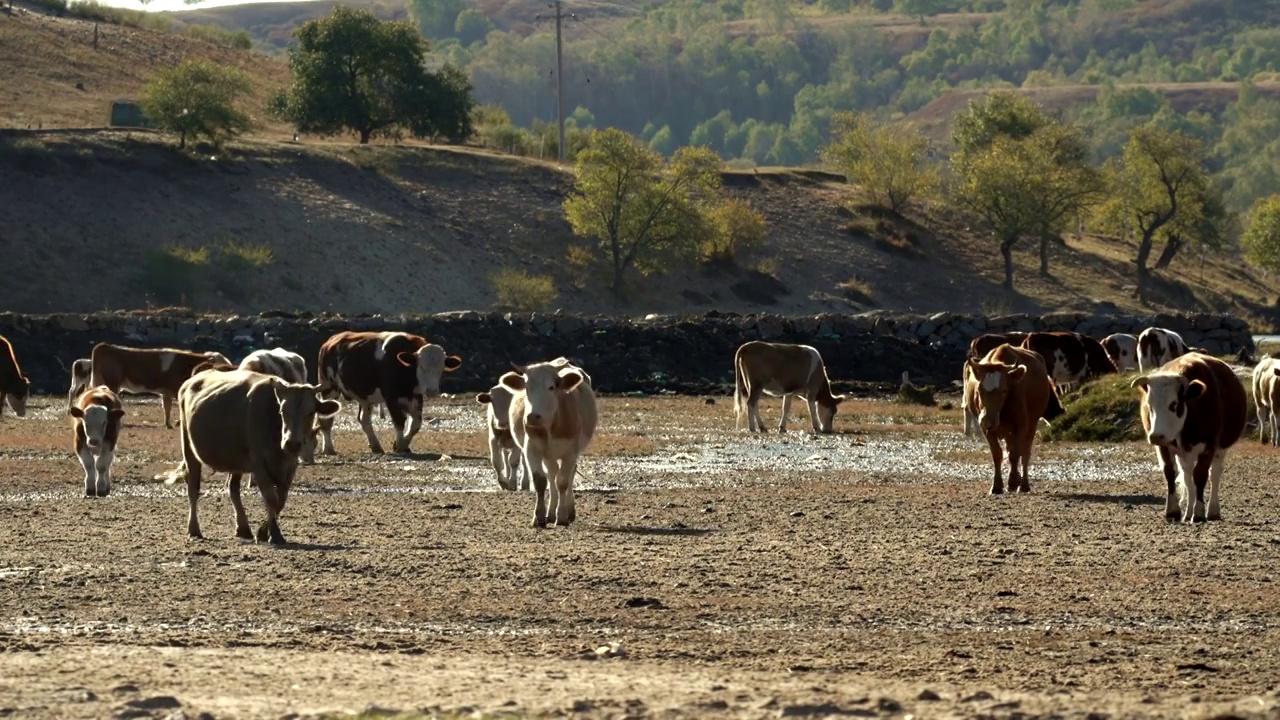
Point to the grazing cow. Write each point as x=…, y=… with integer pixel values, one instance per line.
x=81, y=374
x=240, y=422
x=1157, y=346
x=504, y=454
x=96, y=418
x=1122, y=348
x=1193, y=410
x=1266, y=398
x=14, y=386
x=154, y=371
x=1010, y=390
x=393, y=368
x=288, y=366
x=1069, y=357
x=978, y=349
x=782, y=369
x=552, y=418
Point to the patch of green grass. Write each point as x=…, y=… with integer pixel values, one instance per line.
x=519, y=291
x=171, y=275
x=238, y=254
x=1104, y=410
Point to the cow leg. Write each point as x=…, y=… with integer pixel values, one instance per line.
x=1262, y=421
x=1215, y=476
x=399, y=418
x=270, y=528
x=104, y=470
x=90, y=472
x=514, y=468
x=1186, y=485
x=167, y=400
x=193, y=498
x=754, y=423
x=567, y=511
x=1170, y=469
x=1275, y=426
x=533, y=464
x=415, y=424
x=553, y=486
x=365, y=416
x=501, y=464
x=997, y=459
x=242, y=518
x=786, y=410
x=1025, y=443
x=1195, y=489
x=326, y=427
x=813, y=414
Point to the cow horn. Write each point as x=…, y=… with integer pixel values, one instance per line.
x=519, y=368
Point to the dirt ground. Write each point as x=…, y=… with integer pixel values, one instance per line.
x=710, y=574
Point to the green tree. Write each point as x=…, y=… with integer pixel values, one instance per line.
x=920, y=8
x=352, y=71
x=1025, y=188
x=436, y=18
x=1003, y=113
x=889, y=161
x=1261, y=239
x=1158, y=184
x=471, y=26
x=736, y=226
x=642, y=212
x=197, y=99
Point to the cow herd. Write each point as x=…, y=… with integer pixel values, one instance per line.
x=261, y=418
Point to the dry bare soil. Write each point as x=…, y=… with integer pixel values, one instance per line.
x=711, y=574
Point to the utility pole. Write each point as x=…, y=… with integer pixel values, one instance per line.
x=559, y=82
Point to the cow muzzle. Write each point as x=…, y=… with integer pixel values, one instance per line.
x=1156, y=438
x=533, y=420
x=293, y=447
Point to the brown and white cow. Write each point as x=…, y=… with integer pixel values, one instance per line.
x=1266, y=398
x=1157, y=346
x=1193, y=410
x=81, y=374
x=240, y=422
x=1122, y=348
x=14, y=386
x=1069, y=357
x=96, y=424
x=393, y=368
x=286, y=365
x=552, y=418
x=978, y=349
x=782, y=369
x=1010, y=390
x=154, y=371
x=504, y=453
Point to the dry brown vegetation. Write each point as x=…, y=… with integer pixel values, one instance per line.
x=710, y=574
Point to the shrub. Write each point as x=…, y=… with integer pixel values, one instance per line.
x=857, y=290
x=1105, y=410
x=519, y=291
x=197, y=99
x=736, y=226
x=581, y=263
x=172, y=274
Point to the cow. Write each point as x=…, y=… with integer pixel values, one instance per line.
x=1157, y=346
x=288, y=366
x=14, y=386
x=238, y=422
x=1193, y=410
x=978, y=349
x=1011, y=390
x=504, y=454
x=1069, y=357
x=1122, y=348
x=782, y=369
x=393, y=368
x=81, y=374
x=96, y=418
x=154, y=371
x=552, y=419
x=1266, y=398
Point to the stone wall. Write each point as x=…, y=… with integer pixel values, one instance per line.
x=672, y=353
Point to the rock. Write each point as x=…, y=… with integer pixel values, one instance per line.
x=928, y=695
x=158, y=702
x=980, y=696
x=72, y=323
x=889, y=705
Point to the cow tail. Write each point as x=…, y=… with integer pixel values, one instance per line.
x=1054, y=409
x=740, y=393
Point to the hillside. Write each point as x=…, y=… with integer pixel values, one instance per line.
x=381, y=229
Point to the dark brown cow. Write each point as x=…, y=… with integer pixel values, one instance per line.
x=1194, y=408
x=154, y=371
x=393, y=368
x=14, y=386
x=1070, y=357
x=983, y=344
x=1010, y=391
x=96, y=414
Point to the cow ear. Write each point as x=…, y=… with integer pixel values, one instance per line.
x=75, y=412
x=407, y=358
x=1017, y=372
x=1140, y=382
x=1195, y=390
x=1276, y=370
x=513, y=381
x=569, y=380
x=327, y=408
x=452, y=362
x=484, y=398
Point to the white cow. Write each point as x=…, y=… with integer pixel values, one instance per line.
x=1122, y=348
x=504, y=453
x=1157, y=346
x=286, y=365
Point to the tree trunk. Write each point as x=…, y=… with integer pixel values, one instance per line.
x=364, y=136
x=619, y=267
x=1044, y=256
x=1144, y=254
x=1006, y=249
x=182, y=141
x=1166, y=256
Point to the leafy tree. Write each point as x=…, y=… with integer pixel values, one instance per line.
x=1261, y=240
x=889, y=161
x=920, y=8
x=352, y=71
x=197, y=99
x=436, y=18
x=1007, y=114
x=1026, y=187
x=643, y=212
x=471, y=26
x=736, y=226
x=1158, y=184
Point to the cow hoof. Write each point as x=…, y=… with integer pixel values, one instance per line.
x=997, y=491
x=195, y=536
x=278, y=540
x=88, y=492
x=264, y=532
x=376, y=450
x=244, y=533
x=540, y=522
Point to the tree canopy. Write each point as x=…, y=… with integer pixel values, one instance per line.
x=197, y=99
x=890, y=162
x=1261, y=239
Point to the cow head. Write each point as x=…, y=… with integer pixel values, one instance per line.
x=431, y=363
x=16, y=395
x=96, y=419
x=542, y=385
x=827, y=412
x=218, y=358
x=212, y=365
x=993, y=380
x=1166, y=397
x=300, y=405
x=498, y=397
